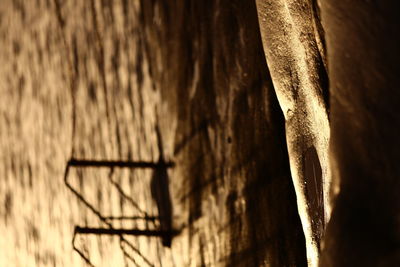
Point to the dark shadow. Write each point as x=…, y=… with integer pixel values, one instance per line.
x=201, y=252
x=129, y=244
x=122, y=218
x=80, y=253
x=127, y=256
x=125, y=196
x=161, y=195
x=119, y=163
x=121, y=231
x=314, y=192
x=110, y=231
x=215, y=71
x=105, y=220
x=187, y=138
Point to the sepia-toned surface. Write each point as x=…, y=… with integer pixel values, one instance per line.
x=362, y=44
x=93, y=79
x=226, y=84
x=69, y=87
x=293, y=43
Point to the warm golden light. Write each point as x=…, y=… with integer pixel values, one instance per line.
x=231, y=94
x=292, y=54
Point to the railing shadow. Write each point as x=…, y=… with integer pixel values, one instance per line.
x=160, y=192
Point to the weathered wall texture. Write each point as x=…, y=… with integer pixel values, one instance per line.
x=92, y=79
x=72, y=84
x=236, y=193
x=294, y=47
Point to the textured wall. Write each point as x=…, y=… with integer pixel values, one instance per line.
x=236, y=195
x=294, y=48
x=72, y=84
x=92, y=79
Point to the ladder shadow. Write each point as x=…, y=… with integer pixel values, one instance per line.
x=160, y=193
